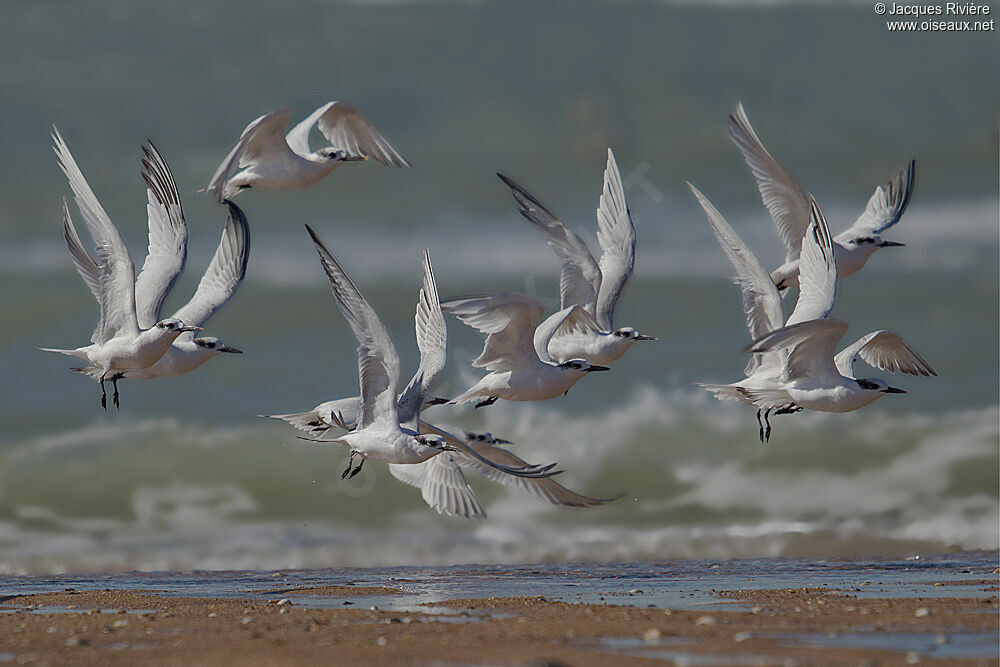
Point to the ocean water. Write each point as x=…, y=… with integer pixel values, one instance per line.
x=186, y=476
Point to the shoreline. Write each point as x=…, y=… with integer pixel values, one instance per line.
x=837, y=612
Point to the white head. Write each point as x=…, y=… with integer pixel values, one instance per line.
x=485, y=438
x=869, y=244
x=214, y=346
x=434, y=441
x=877, y=386
x=581, y=366
x=630, y=334
x=335, y=154
x=172, y=325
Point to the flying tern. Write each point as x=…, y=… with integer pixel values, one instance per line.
x=118, y=342
x=594, y=287
x=788, y=205
x=769, y=371
x=443, y=486
x=378, y=433
x=165, y=262
x=516, y=348
x=432, y=340
x=267, y=157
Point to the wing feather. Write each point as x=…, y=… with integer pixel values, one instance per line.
x=442, y=485
x=784, y=199
x=346, y=129
x=811, y=346
x=262, y=138
x=117, y=273
x=817, y=271
x=885, y=207
x=761, y=300
x=616, y=235
x=167, y=239
x=509, y=322
x=84, y=263
x=432, y=341
x=580, y=276
x=883, y=350
x=225, y=272
x=378, y=362
x=545, y=489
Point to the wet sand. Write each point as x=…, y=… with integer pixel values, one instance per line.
x=779, y=626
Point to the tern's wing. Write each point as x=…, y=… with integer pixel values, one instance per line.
x=84, y=263
x=442, y=485
x=347, y=130
x=432, y=341
x=263, y=140
x=378, y=362
x=580, y=277
x=885, y=207
x=544, y=489
x=811, y=348
x=817, y=271
x=883, y=350
x=346, y=411
x=460, y=446
x=784, y=199
x=167, y=239
x=509, y=322
x=761, y=300
x=579, y=321
x=224, y=273
x=573, y=317
x=616, y=234
x=117, y=273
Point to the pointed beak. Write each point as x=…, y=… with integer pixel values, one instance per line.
x=189, y=328
x=598, y=368
x=645, y=337
x=893, y=390
x=226, y=348
x=890, y=244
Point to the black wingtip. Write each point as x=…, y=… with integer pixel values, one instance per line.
x=312, y=233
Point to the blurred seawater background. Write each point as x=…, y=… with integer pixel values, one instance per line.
x=186, y=475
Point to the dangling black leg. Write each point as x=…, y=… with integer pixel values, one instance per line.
x=489, y=401
x=350, y=462
x=358, y=469
x=104, y=397
x=767, y=431
x=114, y=383
x=761, y=424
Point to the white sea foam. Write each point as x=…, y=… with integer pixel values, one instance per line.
x=698, y=485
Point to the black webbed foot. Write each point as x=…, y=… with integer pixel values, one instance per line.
x=767, y=431
x=356, y=470
x=347, y=471
x=104, y=396
x=114, y=382
x=761, y=424
x=489, y=401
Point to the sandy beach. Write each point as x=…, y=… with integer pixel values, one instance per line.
x=340, y=624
